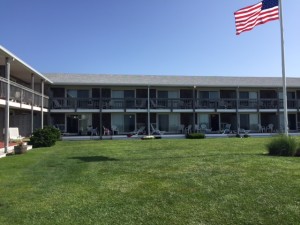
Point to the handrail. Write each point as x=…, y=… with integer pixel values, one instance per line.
x=12, y=83
x=167, y=103
x=22, y=94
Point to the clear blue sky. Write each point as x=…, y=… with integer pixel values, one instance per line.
x=151, y=37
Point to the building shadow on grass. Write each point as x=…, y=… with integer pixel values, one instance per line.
x=106, y=159
x=94, y=158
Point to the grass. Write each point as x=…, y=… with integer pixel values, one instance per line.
x=210, y=181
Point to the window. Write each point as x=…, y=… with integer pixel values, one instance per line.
x=227, y=94
x=162, y=94
x=77, y=93
x=58, y=92
x=244, y=95
x=208, y=94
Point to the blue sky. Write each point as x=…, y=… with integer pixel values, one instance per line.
x=151, y=37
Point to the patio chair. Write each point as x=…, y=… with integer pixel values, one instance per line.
x=56, y=104
x=141, y=104
x=188, y=129
x=156, y=104
x=181, y=128
x=13, y=133
x=18, y=96
x=156, y=131
x=197, y=128
x=227, y=128
x=204, y=129
x=138, y=131
x=106, y=131
x=94, y=131
x=261, y=129
x=270, y=128
x=89, y=130
x=114, y=129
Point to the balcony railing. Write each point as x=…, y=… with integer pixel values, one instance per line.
x=170, y=103
x=22, y=94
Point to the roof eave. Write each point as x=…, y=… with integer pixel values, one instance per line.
x=10, y=54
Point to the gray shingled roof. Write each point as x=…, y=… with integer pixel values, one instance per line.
x=178, y=81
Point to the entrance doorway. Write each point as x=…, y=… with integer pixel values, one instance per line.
x=292, y=122
x=129, y=122
x=214, y=122
x=72, y=124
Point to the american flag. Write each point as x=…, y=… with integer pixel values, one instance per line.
x=249, y=17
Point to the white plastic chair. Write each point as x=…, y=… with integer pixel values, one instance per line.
x=114, y=129
x=227, y=128
x=94, y=131
x=270, y=128
x=188, y=129
x=156, y=131
x=138, y=131
x=261, y=129
x=181, y=128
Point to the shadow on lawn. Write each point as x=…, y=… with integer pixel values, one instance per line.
x=94, y=158
x=104, y=158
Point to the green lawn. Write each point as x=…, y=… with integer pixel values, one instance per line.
x=210, y=181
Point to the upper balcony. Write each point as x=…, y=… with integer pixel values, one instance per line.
x=170, y=104
x=21, y=96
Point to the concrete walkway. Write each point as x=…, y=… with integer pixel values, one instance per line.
x=10, y=149
x=165, y=136
x=136, y=137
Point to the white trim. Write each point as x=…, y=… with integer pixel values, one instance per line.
x=9, y=54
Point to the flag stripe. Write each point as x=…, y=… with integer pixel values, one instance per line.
x=249, y=17
x=262, y=16
x=245, y=12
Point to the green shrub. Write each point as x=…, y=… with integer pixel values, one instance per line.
x=56, y=132
x=44, y=137
x=246, y=135
x=282, y=146
x=195, y=136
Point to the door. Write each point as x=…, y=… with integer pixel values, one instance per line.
x=244, y=121
x=129, y=123
x=163, y=122
x=214, y=122
x=72, y=124
x=292, y=121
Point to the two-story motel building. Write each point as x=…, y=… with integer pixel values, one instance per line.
x=75, y=102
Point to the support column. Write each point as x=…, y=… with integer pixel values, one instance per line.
x=238, y=122
x=6, y=120
x=148, y=110
x=100, y=114
x=194, y=110
x=278, y=112
x=32, y=102
x=42, y=105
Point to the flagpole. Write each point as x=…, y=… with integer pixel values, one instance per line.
x=285, y=114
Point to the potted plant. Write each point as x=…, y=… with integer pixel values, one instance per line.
x=21, y=148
